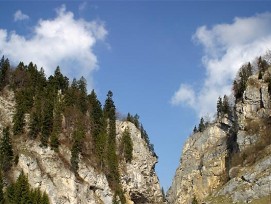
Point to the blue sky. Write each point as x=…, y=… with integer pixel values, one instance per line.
x=167, y=61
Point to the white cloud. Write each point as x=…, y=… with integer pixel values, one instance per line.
x=63, y=41
x=20, y=16
x=185, y=94
x=226, y=48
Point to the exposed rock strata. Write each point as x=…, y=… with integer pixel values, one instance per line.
x=51, y=172
x=206, y=173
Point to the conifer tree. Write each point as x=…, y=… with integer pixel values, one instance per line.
x=98, y=127
x=201, y=125
x=47, y=123
x=127, y=145
x=226, y=106
x=262, y=64
x=18, y=121
x=82, y=86
x=78, y=136
x=195, y=130
x=4, y=69
x=57, y=123
x=240, y=83
x=6, y=151
x=219, y=106
x=35, y=124
x=112, y=159
x=21, y=193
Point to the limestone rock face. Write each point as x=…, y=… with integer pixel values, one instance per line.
x=7, y=108
x=138, y=177
x=251, y=183
x=206, y=171
x=202, y=166
x=51, y=171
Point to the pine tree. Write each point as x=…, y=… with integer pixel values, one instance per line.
x=18, y=121
x=4, y=69
x=219, y=107
x=10, y=195
x=6, y=152
x=127, y=145
x=262, y=64
x=201, y=125
x=35, y=125
x=21, y=193
x=112, y=174
x=59, y=81
x=226, y=106
x=57, y=123
x=78, y=136
x=44, y=199
x=47, y=123
x=195, y=130
x=240, y=83
x=82, y=85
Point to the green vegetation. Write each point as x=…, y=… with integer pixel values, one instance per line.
x=21, y=193
x=63, y=113
x=6, y=151
x=135, y=120
x=223, y=107
x=240, y=83
x=112, y=172
x=126, y=145
x=202, y=125
x=4, y=72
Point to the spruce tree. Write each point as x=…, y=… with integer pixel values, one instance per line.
x=195, y=130
x=112, y=158
x=35, y=124
x=226, y=106
x=98, y=127
x=219, y=106
x=82, y=85
x=47, y=123
x=6, y=151
x=127, y=145
x=76, y=149
x=201, y=125
x=18, y=121
x=4, y=69
x=57, y=123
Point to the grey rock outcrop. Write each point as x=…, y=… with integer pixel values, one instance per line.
x=138, y=177
x=202, y=167
x=51, y=171
x=209, y=170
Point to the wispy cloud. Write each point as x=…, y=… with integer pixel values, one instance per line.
x=20, y=16
x=63, y=41
x=226, y=48
x=185, y=94
x=82, y=6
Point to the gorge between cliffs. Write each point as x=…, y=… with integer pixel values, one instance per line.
x=75, y=150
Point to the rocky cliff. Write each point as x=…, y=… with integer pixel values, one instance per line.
x=230, y=161
x=51, y=171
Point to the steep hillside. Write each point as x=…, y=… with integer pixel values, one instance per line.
x=229, y=160
x=68, y=145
